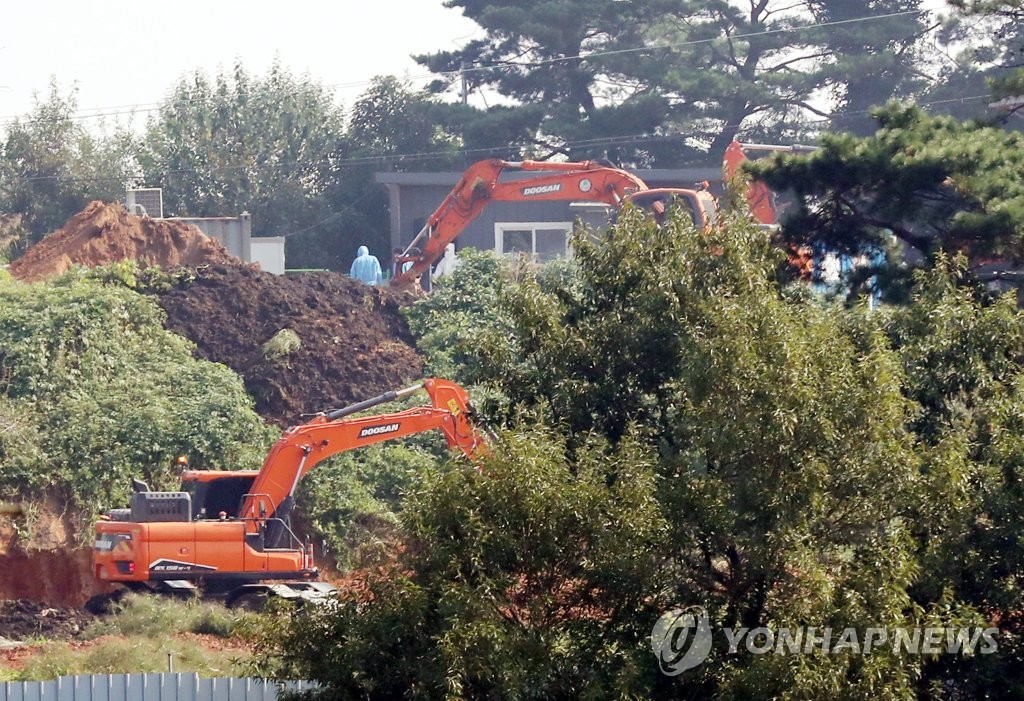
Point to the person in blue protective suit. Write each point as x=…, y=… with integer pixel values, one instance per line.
x=366, y=268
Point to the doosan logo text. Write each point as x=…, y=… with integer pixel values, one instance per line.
x=542, y=189
x=377, y=430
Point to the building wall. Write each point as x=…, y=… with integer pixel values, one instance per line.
x=268, y=252
x=234, y=233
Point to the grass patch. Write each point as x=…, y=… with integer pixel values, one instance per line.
x=157, y=616
x=138, y=637
x=132, y=654
x=281, y=344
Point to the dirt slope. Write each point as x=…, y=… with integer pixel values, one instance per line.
x=55, y=569
x=105, y=233
x=353, y=342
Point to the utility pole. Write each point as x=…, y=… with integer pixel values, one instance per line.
x=462, y=76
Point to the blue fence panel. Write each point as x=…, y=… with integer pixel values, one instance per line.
x=145, y=687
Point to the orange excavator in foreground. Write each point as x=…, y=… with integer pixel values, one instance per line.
x=585, y=181
x=229, y=531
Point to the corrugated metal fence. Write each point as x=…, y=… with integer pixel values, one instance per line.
x=145, y=687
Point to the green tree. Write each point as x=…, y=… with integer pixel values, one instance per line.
x=389, y=127
x=51, y=166
x=985, y=40
x=709, y=438
x=619, y=79
x=242, y=143
x=962, y=359
x=931, y=182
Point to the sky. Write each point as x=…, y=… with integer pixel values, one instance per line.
x=123, y=54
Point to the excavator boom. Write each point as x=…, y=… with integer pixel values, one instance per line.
x=303, y=447
x=480, y=185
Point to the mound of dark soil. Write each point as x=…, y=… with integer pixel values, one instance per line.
x=352, y=342
x=24, y=620
x=106, y=233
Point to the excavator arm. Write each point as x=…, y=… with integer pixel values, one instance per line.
x=302, y=447
x=480, y=185
x=159, y=543
x=760, y=199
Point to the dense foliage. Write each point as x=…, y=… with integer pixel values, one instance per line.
x=683, y=431
x=94, y=391
x=932, y=183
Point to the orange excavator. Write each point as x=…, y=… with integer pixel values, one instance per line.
x=229, y=531
x=585, y=181
x=760, y=200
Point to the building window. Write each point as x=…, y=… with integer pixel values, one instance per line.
x=541, y=240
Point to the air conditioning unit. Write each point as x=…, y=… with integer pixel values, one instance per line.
x=145, y=202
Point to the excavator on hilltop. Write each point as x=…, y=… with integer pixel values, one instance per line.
x=585, y=181
x=229, y=532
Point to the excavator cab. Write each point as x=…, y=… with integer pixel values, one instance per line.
x=700, y=205
x=217, y=492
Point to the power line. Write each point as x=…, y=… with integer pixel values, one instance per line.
x=698, y=42
x=149, y=107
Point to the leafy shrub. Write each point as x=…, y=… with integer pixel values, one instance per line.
x=89, y=371
x=128, y=273
x=446, y=322
x=352, y=501
x=281, y=344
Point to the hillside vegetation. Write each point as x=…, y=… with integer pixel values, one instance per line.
x=94, y=391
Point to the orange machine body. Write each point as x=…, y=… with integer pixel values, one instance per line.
x=233, y=526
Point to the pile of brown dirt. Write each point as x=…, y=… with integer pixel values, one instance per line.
x=106, y=233
x=348, y=340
